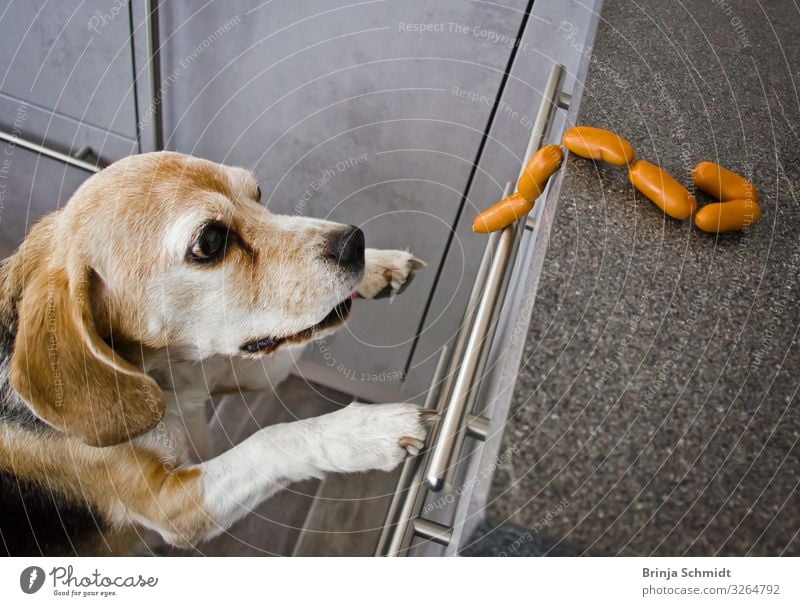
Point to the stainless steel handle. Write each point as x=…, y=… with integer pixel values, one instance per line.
x=479, y=330
x=401, y=510
x=407, y=499
x=50, y=153
x=466, y=367
x=438, y=533
x=453, y=392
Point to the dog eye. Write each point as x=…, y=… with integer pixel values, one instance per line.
x=258, y=194
x=210, y=245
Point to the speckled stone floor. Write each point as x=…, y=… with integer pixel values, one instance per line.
x=657, y=410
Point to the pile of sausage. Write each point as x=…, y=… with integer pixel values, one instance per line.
x=737, y=208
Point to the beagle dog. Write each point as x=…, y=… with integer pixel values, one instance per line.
x=109, y=309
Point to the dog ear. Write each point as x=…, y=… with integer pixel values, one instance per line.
x=67, y=373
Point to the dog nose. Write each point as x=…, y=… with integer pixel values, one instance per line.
x=346, y=248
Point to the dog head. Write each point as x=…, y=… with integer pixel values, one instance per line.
x=165, y=252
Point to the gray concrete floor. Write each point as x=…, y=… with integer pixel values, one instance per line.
x=656, y=410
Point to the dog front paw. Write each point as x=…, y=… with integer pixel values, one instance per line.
x=387, y=272
x=362, y=437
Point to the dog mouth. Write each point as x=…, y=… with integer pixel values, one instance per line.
x=335, y=317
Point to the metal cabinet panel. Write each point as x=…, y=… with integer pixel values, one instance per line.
x=63, y=134
x=362, y=113
x=30, y=186
x=556, y=33
x=71, y=63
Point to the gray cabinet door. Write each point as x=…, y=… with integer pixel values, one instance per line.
x=70, y=62
x=368, y=113
x=30, y=186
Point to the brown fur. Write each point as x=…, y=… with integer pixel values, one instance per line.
x=66, y=372
x=119, y=481
x=103, y=406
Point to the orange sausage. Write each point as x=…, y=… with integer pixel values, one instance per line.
x=599, y=144
x=733, y=215
x=543, y=164
x=502, y=214
x=661, y=188
x=723, y=184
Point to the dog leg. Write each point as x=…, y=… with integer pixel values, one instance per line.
x=387, y=272
x=205, y=499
